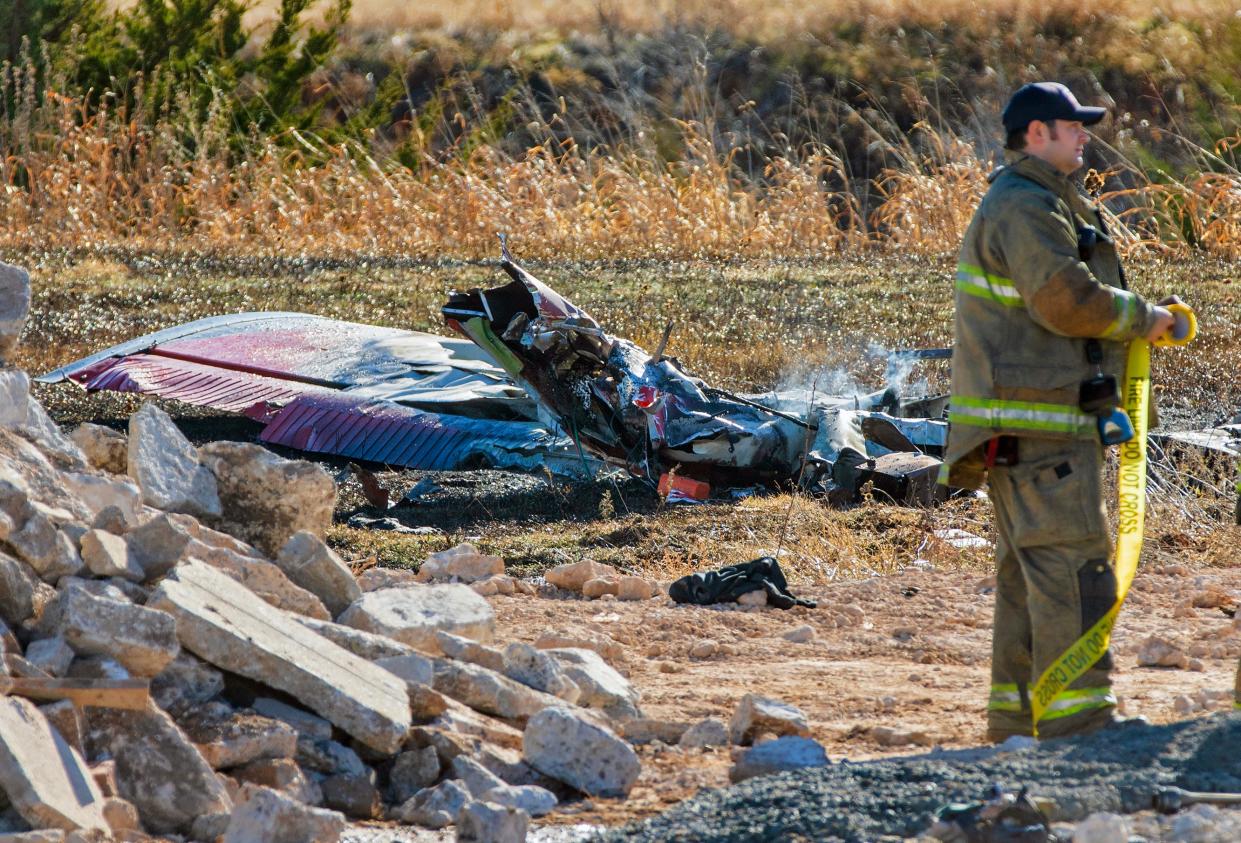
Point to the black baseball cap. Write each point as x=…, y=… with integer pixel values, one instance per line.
x=1047, y=101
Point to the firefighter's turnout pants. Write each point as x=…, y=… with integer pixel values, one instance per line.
x=1054, y=579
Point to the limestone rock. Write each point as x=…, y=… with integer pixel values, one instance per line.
x=166, y=466
x=755, y=715
x=412, y=771
x=43, y=777
x=40, y=430
x=489, y=692
x=468, y=650
x=22, y=594
x=486, y=822
x=890, y=736
x=282, y=774
x=534, y=800
x=476, y=778
x=373, y=579
x=14, y=307
x=706, y=732
x=753, y=599
x=142, y=639
x=539, y=670
x=413, y=614
x=644, y=730
x=45, y=548
x=365, y=645
x=266, y=815
x=413, y=667
x=14, y=392
x=604, y=645
x=574, y=575
x=353, y=795
x=99, y=493
x=462, y=563
x=329, y=757
x=635, y=588
x=187, y=681
x=223, y=623
x=581, y=753
x=435, y=807
x=105, y=448
x=1159, y=652
x=602, y=687
x=158, y=544
x=121, y=816
x=310, y=563
x=157, y=767
x=1102, y=828
x=107, y=555
x=68, y=719
x=226, y=740
x=769, y=757
x=799, y=635
x=266, y=498
x=51, y=655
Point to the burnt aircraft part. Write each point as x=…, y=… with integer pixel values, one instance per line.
x=613, y=398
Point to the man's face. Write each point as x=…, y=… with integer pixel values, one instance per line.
x=1058, y=142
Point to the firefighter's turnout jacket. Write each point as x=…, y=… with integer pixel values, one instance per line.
x=1026, y=303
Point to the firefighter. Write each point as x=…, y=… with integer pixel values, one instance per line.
x=1043, y=319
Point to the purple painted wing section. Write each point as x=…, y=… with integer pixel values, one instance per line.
x=193, y=383
x=250, y=351
x=383, y=432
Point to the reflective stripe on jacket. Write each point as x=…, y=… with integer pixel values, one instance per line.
x=1026, y=304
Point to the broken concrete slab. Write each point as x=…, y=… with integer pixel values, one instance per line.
x=601, y=686
x=373, y=579
x=158, y=544
x=166, y=466
x=468, y=650
x=314, y=566
x=41, y=431
x=353, y=795
x=105, y=448
x=580, y=752
x=263, y=578
x=490, y=692
x=539, y=670
x=142, y=639
x=413, y=614
x=476, y=778
x=365, y=645
x=44, y=778
x=414, y=668
x=14, y=307
x=266, y=498
x=756, y=714
x=157, y=767
x=228, y=626
x=267, y=815
x=644, y=730
x=68, y=719
x=709, y=731
x=329, y=758
x=99, y=493
x=606, y=646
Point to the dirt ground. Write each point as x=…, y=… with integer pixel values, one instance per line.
x=908, y=651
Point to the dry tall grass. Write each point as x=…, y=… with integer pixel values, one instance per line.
x=73, y=179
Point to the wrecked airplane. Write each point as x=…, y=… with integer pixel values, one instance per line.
x=537, y=384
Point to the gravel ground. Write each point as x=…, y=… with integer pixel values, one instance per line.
x=892, y=799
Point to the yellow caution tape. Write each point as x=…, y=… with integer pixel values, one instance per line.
x=1131, y=513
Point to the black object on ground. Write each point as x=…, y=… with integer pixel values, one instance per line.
x=729, y=583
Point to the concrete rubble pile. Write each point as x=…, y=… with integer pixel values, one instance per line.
x=286, y=695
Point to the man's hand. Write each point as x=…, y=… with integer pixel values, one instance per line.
x=1164, y=320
